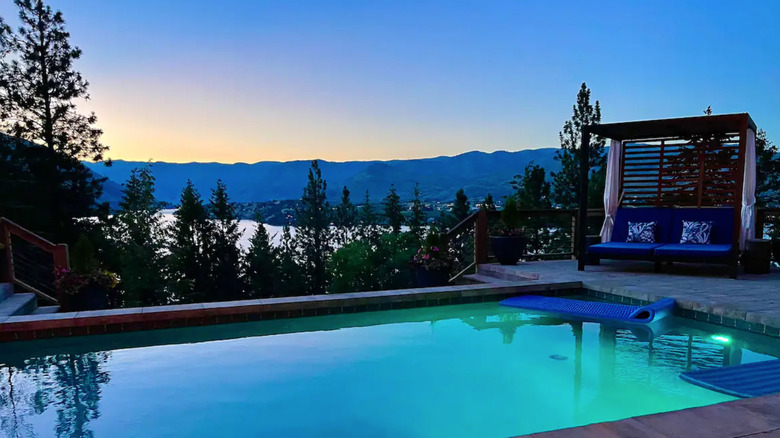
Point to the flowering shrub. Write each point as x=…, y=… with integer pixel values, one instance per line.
x=431, y=257
x=71, y=283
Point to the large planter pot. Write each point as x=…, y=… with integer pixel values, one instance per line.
x=508, y=249
x=93, y=296
x=431, y=277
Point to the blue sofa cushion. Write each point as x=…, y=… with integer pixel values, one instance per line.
x=661, y=216
x=722, y=219
x=623, y=248
x=693, y=250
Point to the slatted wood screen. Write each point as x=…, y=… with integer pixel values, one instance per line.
x=669, y=172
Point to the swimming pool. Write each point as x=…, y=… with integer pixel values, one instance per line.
x=452, y=371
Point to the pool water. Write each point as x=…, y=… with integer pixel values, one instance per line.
x=455, y=371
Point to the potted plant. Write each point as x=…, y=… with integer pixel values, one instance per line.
x=86, y=286
x=432, y=262
x=508, y=240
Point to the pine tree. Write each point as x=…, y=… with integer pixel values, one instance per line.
x=140, y=241
x=460, y=209
x=313, y=233
x=532, y=192
x=290, y=280
x=39, y=88
x=260, y=268
x=488, y=204
x=417, y=220
x=767, y=171
x=38, y=93
x=224, y=254
x=566, y=182
x=393, y=212
x=532, y=189
x=189, y=247
x=369, y=228
x=346, y=219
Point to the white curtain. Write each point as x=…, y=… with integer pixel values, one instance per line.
x=748, y=191
x=611, y=189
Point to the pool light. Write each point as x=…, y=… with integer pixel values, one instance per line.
x=722, y=339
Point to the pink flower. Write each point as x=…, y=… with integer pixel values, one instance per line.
x=435, y=248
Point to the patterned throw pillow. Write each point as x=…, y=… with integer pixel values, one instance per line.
x=641, y=232
x=697, y=232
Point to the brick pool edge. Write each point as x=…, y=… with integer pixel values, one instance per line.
x=45, y=326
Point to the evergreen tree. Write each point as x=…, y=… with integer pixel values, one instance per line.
x=346, y=219
x=532, y=189
x=290, y=280
x=224, y=254
x=38, y=93
x=532, y=192
x=260, y=264
x=767, y=171
x=393, y=211
x=39, y=87
x=488, y=204
x=460, y=209
x=566, y=182
x=5, y=39
x=313, y=233
x=417, y=220
x=140, y=241
x=190, y=238
x=369, y=227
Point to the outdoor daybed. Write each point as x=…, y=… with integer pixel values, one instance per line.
x=698, y=170
x=666, y=246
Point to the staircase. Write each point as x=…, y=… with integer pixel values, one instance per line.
x=15, y=304
x=27, y=264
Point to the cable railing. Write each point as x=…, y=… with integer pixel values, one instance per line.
x=29, y=260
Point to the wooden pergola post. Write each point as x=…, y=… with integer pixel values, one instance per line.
x=582, y=226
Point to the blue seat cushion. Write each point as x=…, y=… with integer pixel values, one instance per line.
x=693, y=250
x=623, y=248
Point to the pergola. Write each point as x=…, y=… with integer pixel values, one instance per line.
x=706, y=161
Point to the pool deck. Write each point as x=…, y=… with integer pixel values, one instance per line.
x=751, y=302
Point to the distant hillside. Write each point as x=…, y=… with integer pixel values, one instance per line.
x=478, y=173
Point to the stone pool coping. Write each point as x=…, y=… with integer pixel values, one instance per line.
x=45, y=326
x=747, y=418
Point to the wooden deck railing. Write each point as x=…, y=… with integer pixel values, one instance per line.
x=30, y=260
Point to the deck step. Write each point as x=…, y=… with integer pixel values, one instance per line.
x=6, y=290
x=506, y=273
x=18, y=304
x=479, y=278
x=46, y=309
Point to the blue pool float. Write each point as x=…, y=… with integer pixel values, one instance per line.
x=746, y=380
x=594, y=309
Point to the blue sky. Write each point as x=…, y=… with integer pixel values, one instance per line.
x=350, y=80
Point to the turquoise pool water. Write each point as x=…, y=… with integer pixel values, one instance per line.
x=456, y=371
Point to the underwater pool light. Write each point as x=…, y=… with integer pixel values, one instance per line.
x=721, y=339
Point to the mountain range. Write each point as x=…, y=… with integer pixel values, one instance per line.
x=478, y=173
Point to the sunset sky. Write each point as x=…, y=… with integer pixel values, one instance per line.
x=251, y=81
